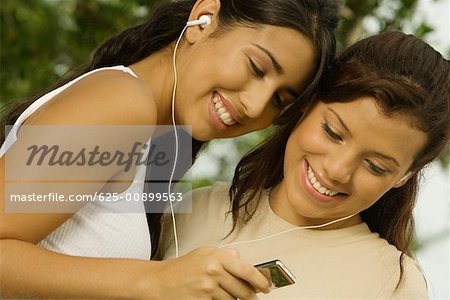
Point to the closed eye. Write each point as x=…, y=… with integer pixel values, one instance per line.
x=255, y=70
x=376, y=170
x=330, y=133
x=278, y=101
x=260, y=74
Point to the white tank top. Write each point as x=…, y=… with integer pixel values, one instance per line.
x=97, y=229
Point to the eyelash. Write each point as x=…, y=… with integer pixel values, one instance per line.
x=375, y=169
x=278, y=101
x=330, y=133
x=335, y=137
x=256, y=71
x=260, y=74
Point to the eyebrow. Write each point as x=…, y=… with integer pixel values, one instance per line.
x=348, y=131
x=278, y=68
x=275, y=63
x=387, y=157
x=340, y=121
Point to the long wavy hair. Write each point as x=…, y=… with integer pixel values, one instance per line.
x=315, y=19
x=406, y=76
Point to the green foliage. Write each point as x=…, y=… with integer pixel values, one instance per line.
x=42, y=39
x=386, y=15
x=27, y=55
x=423, y=29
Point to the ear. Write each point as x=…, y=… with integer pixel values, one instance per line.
x=200, y=8
x=403, y=180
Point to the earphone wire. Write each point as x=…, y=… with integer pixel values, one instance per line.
x=175, y=81
x=288, y=230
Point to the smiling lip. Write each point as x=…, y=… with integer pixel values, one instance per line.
x=312, y=191
x=230, y=108
x=215, y=118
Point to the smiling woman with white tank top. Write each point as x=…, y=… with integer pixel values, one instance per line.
x=222, y=67
x=93, y=231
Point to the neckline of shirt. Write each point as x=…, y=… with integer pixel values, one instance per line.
x=279, y=224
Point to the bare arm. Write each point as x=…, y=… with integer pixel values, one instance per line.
x=206, y=273
x=29, y=271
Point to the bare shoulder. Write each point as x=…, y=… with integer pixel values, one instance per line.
x=109, y=97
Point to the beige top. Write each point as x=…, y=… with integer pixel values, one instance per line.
x=349, y=263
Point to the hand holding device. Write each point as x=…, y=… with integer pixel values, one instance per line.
x=277, y=273
x=206, y=273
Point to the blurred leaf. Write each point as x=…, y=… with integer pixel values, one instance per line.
x=41, y=39
x=444, y=158
x=422, y=30
x=200, y=182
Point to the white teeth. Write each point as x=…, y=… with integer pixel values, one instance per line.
x=317, y=186
x=229, y=122
x=225, y=115
x=222, y=113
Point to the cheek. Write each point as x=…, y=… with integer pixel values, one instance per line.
x=261, y=123
x=220, y=67
x=368, y=189
x=310, y=139
x=231, y=73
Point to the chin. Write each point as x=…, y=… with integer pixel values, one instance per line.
x=202, y=137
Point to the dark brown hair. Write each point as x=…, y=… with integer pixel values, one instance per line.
x=406, y=76
x=316, y=19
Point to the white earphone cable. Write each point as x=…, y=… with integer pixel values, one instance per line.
x=288, y=230
x=175, y=81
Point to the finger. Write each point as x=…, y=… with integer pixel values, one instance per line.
x=221, y=294
x=248, y=273
x=236, y=287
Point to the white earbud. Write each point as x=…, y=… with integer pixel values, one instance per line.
x=203, y=21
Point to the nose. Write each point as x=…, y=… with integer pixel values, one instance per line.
x=339, y=166
x=256, y=100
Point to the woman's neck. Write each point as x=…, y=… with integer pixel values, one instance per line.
x=156, y=71
x=280, y=206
